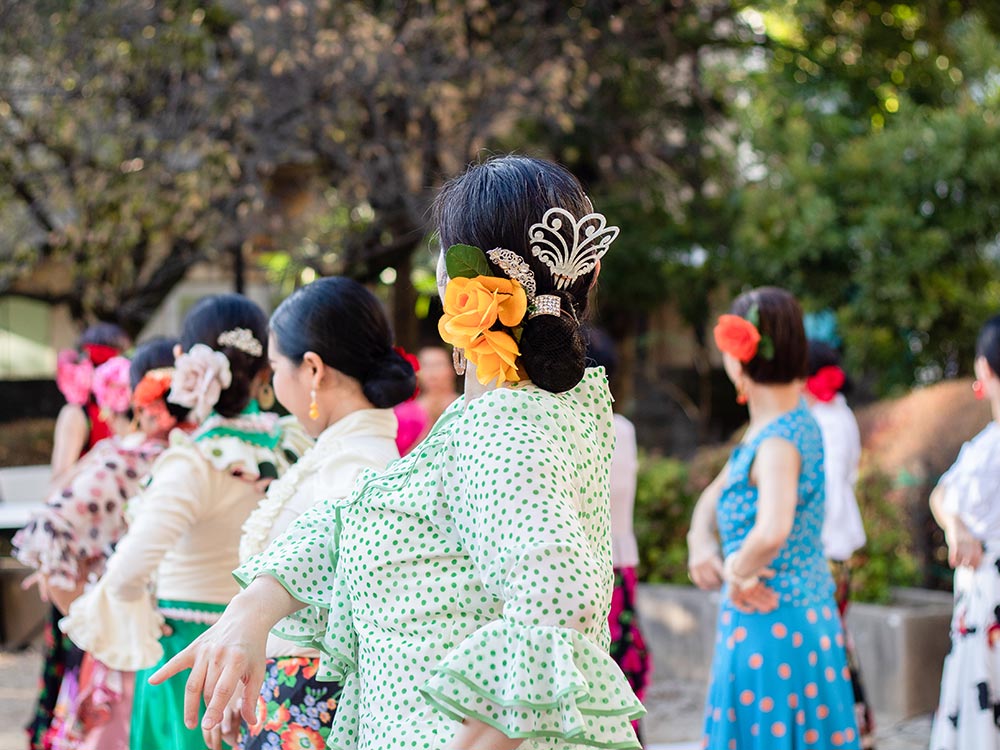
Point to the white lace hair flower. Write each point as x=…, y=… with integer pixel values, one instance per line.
x=200, y=377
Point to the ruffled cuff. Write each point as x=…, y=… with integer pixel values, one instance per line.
x=123, y=634
x=302, y=561
x=537, y=681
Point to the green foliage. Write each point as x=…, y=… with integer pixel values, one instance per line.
x=466, y=261
x=888, y=559
x=668, y=489
x=663, y=507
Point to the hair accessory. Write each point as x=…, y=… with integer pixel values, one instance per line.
x=546, y=304
x=737, y=336
x=826, y=383
x=591, y=240
x=111, y=381
x=155, y=385
x=200, y=377
x=74, y=376
x=100, y=353
x=242, y=339
x=516, y=269
x=740, y=337
x=313, y=406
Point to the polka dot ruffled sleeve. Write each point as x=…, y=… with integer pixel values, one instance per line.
x=529, y=500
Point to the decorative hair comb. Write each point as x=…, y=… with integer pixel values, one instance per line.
x=242, y=339
x=516, y=269
x=591, y=239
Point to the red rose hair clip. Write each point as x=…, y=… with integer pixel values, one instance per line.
x=826, y=383
x=741, y=338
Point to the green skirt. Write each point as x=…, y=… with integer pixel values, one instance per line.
x=158, y=710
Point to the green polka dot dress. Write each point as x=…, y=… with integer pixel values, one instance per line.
x=470, y=579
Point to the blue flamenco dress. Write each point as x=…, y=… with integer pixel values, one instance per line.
x=780, y=680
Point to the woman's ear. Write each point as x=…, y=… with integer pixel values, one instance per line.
x=314, y=369
x=177, y=351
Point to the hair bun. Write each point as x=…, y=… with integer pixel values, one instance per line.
x=553, y=352
x=390, y=381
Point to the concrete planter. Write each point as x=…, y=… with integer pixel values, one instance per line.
x=901, y=645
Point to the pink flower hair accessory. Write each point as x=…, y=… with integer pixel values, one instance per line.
x=74, y=376
x=200, y=377
x=111, y=385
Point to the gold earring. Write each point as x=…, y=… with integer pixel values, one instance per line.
x=313, y=407
x=458, y=360
x=265, y=396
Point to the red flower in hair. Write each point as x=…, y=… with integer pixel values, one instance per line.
x=826, y=383
x=737, y=336
x=100, y=353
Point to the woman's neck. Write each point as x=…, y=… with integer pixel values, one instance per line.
x=767, y=402
x=344, y=404
x=473, y=388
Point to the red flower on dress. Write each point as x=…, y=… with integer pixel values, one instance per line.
x=737, y=336
x=280, y=718
x=826, y=383
x=301, y=738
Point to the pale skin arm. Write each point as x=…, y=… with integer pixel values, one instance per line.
x=776, y=471
x=704, y=555
x=231, y=653
x=69, y=440
x=963, y=547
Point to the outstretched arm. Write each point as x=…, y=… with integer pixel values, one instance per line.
x=230, y=653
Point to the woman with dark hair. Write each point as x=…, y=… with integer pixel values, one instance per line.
x=966, y=506
x=79, y=427
x=779, y=677
x=69, y=541
x=336, y=371
x=843, y=529
x=462, y=595
x=182, y=540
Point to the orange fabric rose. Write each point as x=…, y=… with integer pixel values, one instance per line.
x=154, y=385
x=472, y=306
x=495, y=356
x=737, y=336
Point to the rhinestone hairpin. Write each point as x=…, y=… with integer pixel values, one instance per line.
x=546, y=304
x=242, y=339
x=516, y=268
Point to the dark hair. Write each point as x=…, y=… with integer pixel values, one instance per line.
x=779, y=318
x=601, y=349
x=152, y=355
x=210, y=318
x=493, y=205
x=988, y=343
x=104, y=334
x=341, y=321
x=819, y=355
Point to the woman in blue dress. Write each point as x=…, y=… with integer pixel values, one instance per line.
x=779, y=677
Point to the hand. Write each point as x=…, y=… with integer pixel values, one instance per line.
x=37, y=579
x=756, y=598
x=226, y=658
x=963, y=547
x=229, y=730
x=704, y=563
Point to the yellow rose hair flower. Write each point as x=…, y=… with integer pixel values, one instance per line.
x=495, y=356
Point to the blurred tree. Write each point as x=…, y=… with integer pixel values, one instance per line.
x=873, y=148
